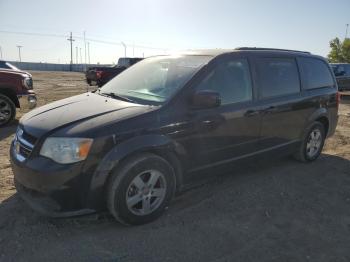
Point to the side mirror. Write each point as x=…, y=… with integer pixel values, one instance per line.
x=206, y=99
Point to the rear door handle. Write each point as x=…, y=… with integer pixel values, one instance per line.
x=270, y=109
x=252, y=113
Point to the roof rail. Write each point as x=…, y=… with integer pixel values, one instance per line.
x=270, y=49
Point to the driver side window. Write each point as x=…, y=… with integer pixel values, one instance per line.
x=231, y=79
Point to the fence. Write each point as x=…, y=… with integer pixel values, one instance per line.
x=52, y=67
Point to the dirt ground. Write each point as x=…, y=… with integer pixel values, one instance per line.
x=277, y=211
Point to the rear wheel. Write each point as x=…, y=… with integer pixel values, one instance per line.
x=7, y=110
x=312, y=144
x=141, y=189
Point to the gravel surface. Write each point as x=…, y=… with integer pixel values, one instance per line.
x=277, y=211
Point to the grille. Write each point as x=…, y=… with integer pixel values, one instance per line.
x=23, y=144
x=31, y=139
x=24, y=151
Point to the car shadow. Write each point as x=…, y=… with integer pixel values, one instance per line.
x=8, y=130
x=237, y=205
x=206, y=184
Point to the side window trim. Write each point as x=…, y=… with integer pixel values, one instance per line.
x=304, y=81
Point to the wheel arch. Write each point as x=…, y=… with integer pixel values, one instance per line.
x=10, y=93
x=157, y=144
x=320, y=115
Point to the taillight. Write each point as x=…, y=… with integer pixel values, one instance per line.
x=338, y=98
x=98, y=74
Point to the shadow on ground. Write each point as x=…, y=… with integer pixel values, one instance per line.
x=277, y=211
x=8, y=130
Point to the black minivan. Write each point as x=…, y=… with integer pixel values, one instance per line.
x=130, y=145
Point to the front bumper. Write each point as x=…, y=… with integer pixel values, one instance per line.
x=52, y=189
x=47, y=205
x=27, y=101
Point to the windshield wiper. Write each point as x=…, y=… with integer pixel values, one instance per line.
x=116, y=96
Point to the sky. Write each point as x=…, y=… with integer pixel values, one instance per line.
x=150, y=27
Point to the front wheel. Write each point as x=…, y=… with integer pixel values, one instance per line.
x=7, y=110
x=312, y=143
x=141, y=189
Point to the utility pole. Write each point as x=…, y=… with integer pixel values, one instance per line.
x=85, y=50
x=0, y=52
x=70, y=39
x=19, y=52
x=346, y=31
x=88, y=51
x=124, y=48
x=76, y=55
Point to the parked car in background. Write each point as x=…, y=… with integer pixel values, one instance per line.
x=101, y=75
x=342, y=74
x=7, y=65
x=132, y=144
x=16, y=91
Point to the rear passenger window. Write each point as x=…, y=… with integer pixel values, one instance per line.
x=315, y=73
x=277, y=76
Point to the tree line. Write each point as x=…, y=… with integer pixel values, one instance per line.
x=340, y=51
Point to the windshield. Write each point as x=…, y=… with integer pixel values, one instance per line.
x=155, y=80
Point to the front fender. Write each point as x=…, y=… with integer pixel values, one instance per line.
x=111, y=160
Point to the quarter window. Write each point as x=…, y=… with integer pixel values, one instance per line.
x=277, y=76
x=231, y=79
x=315, y=73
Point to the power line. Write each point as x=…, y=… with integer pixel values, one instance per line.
x=32, y=34
x=78, y=37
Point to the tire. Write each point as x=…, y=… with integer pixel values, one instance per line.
x=310, y=149
x=131, y=183
x=7, y=110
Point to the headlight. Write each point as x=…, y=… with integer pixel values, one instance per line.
x=66, y=150
x=28, y=82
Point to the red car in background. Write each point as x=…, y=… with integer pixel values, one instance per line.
x=16, y=91
x=102, y=74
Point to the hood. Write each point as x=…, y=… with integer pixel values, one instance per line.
x=96, y=110
x=19, y=72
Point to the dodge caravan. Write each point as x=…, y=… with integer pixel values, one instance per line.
x=130, y=145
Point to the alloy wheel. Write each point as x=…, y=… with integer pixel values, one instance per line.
x=314, y=143
x=146, y=192
x=5, y=111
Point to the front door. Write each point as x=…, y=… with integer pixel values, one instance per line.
x=231, y=130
